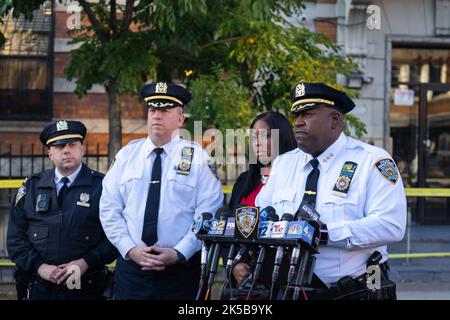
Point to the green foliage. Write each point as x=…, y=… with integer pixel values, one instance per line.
x=124, y=62
x=220, y=101
x=354, y=127
x=21, y=7
x=257, y=39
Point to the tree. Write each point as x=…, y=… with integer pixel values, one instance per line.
x=21, y=7
x=261, y=48
x=121, y=46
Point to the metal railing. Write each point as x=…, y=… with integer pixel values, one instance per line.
x=19, y=161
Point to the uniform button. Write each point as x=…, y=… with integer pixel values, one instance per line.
x=35, y=235
x=87, y=238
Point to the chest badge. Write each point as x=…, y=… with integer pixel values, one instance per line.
x=184, y=166
x=342, y=184
x=84, y=200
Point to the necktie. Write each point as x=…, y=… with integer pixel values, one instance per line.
x=311, y=183
x=149, y=232
x=62, y=191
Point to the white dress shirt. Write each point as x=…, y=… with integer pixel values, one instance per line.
x=371, y=215
x=183, y=197
x=58, y=178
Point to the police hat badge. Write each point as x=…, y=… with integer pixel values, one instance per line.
x=246, y=220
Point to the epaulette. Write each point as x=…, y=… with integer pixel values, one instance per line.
x=97, y=174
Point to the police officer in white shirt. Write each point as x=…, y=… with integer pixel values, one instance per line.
x=155, y=189
x=355, y=187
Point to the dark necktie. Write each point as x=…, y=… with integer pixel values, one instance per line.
x=149, y=231
x=62, y=191
x=311, y=183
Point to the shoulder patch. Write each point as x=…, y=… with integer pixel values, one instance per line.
x=21, y=192
x=388, y=169
x=212, y=168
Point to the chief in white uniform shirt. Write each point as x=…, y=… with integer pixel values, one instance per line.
x=166, y=266
x=360, y=195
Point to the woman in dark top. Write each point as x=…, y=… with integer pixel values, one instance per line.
x=250, y=182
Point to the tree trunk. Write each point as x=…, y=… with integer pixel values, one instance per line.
x=115, y=122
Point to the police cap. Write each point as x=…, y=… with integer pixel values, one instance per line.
x=164, y=95
x=314, y=95
x=61, y=132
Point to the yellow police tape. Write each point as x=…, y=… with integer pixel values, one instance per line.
x=410, y=192
x=10, y=184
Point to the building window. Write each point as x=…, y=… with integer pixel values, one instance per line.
x=26, y=67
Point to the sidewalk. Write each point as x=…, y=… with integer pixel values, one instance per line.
x=423, y=278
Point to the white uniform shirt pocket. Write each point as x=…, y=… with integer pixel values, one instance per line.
x=182, y=186
x=131, y=183
x=336, y=208
x=284, y=201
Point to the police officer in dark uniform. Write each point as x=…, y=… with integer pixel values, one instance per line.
x=54, y=232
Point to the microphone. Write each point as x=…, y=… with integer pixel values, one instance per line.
x=301, y=274
x=202, y=223
x=259, y=261
x=266, y=212
x=239, y=255
x=266, y=220
x=229, y=232
x=280, y=227
x=218, y=223
x=201, y=226
x=308, y=212
x=301, y=230
x=285, y=218
x=311, y=233
x=221, y=216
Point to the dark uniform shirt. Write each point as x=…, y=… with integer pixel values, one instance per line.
x=45, y=233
